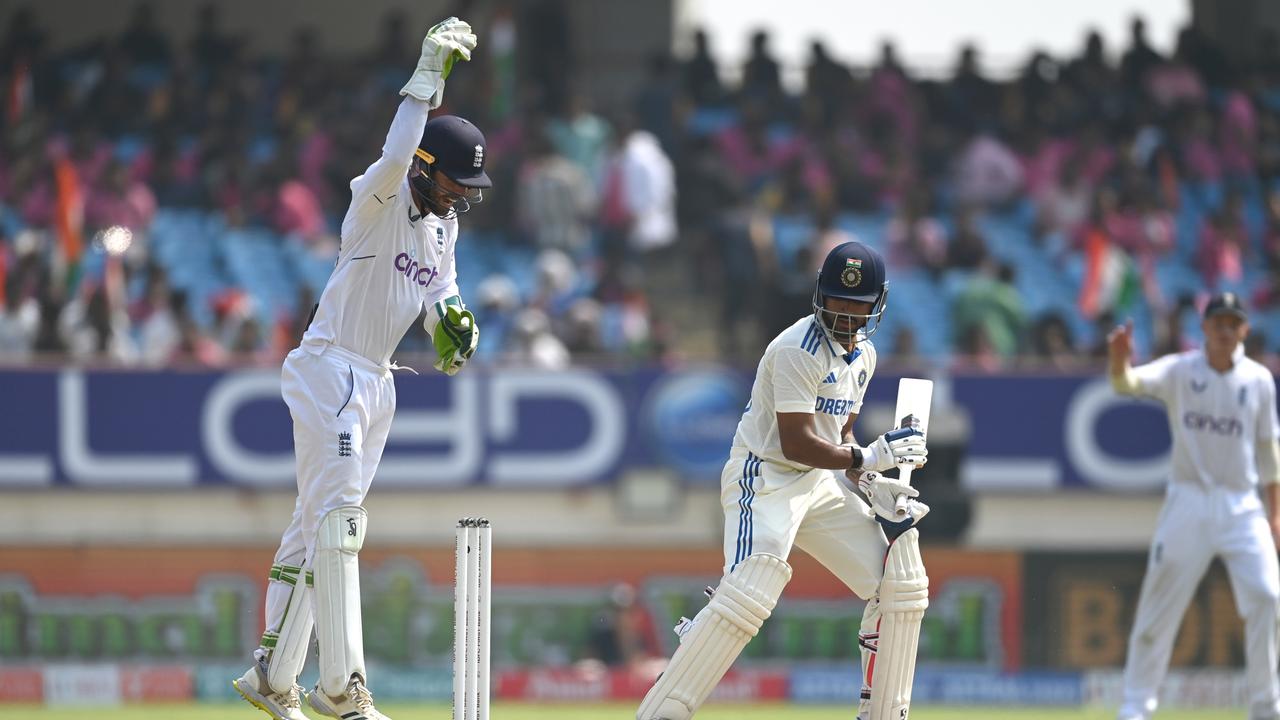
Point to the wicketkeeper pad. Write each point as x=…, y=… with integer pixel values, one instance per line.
x=743, y=601
x=904, y=595
x=287, y=647
x=337, y=579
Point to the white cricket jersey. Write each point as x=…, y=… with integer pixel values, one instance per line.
x=1216, y=419
x=392, y=261
x=804, y=371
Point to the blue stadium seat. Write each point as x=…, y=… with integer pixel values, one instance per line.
x=709, y=121
x=791, y=233
x=915, y=302
x=1175, y=277
x=867, y=228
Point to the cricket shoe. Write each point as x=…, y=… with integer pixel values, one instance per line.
x=253, y=686
x=356, y=703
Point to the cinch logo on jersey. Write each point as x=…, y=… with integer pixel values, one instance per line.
x=409, y=267
x=831, y=406
x=1201, y=422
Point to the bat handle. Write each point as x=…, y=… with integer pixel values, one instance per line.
x=900, y=505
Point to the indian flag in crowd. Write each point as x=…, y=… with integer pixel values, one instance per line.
x=1110, y=276
x=18, y=95
x=69, y=218
x=4, y=271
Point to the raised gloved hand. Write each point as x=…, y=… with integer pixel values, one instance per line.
x=892, y=500
x=446, y=43
x=455, y=336
x=904, y=446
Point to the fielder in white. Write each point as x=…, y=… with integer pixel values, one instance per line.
x=1222, y=415
x=780, y=489
x=396, y=258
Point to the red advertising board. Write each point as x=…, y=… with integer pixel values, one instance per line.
x=21, y=684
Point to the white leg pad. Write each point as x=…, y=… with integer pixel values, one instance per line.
x=337, y=590
x=745, y=599
x=287, y=645
x=904, y=596
x=868, y=638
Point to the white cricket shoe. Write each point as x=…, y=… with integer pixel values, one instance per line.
x=253, y=686
x=354, y=704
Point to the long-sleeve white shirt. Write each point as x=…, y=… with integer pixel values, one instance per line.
x=392, y=260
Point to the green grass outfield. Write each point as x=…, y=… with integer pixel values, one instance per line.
x=513, y=711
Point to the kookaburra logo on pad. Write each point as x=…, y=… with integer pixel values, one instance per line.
x=479, y=159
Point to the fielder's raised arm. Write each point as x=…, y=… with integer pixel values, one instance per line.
x=1119, y=350
x=443, y=46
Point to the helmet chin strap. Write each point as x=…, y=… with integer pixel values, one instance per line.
x=842, y=338
x=424, y=186
x=828, y=319
x=421, y=186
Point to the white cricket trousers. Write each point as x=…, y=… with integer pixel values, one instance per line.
x=1195, y=525
x=342, y=405
x=771, y=508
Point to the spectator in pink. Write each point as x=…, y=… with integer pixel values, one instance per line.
x=749, y=150
x=1063, y=206
x=1200, y=155
x=890, y=93
x=1238, y=135
x=120, y=200
x=1224, y=244
x=916, y=239
x=987, y=173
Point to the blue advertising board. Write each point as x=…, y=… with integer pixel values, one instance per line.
x=530, y=428
x=513, y=428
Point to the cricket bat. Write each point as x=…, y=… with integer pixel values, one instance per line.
x=914, y=398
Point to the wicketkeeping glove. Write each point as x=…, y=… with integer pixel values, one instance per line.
x=444, y=45
x=904, y=446
x=455, y=337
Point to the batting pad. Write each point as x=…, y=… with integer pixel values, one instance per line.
x=287, y=646
x=337, y=579
x=745, y=599
x=904, y=595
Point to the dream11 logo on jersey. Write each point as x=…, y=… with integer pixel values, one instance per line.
x=408, y=267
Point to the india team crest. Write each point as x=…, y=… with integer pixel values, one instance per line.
x=862, y=377
x=851, y=276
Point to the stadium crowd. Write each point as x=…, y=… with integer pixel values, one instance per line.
x=1019, y=215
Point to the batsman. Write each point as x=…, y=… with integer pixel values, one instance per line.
x=781, y=489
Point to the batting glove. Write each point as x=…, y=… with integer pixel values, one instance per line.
x=444, y=45
x=884, y=494
x=904, y=446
